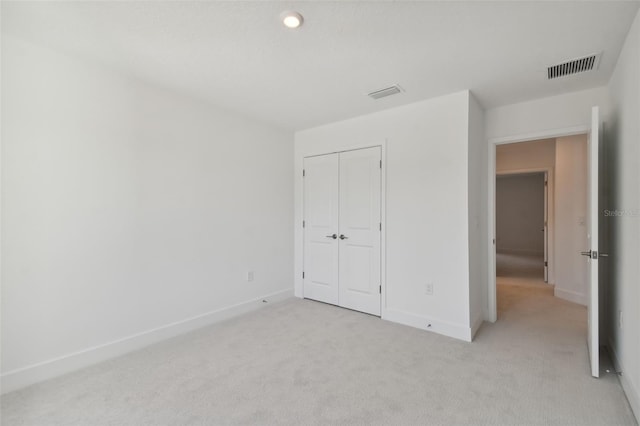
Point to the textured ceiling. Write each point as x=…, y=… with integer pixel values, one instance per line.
x=238, y=56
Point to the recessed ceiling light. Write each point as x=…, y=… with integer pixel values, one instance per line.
x=291, y=19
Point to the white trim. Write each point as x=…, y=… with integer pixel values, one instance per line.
x=25, y=376
x=492, y=311
x=544, y=134
x=457, y=331
x=571, y=296
x=632, y=394
x=491, y=314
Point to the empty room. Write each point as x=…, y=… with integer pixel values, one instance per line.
x=319, y=212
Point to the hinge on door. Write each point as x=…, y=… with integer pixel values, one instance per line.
x=546, y=263
x=303, y=223
x=380, y=289
x=303, y=172
x=380, y=163
x=303, y=275
x=381, y=226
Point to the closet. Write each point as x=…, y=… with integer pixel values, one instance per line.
x=342, y=229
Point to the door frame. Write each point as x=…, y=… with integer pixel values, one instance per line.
x=549, y=249
x=492, y=308
x=332, y=147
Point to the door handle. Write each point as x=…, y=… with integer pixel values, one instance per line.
x=342, y=237
x=593, y=254
x=334, y=236
x=586, y=253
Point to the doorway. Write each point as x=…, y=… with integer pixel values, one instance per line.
x=540, y=211
x=521, y=226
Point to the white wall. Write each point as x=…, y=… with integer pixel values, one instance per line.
x=539, y=155
x=571, y=280
x=539, y=118
x=520, y=214
x=426, y=219
x=622, y=142
x=478, y=208
x=129, y=213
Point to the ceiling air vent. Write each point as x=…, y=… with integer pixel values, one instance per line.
x=574, y=66
x=387, y=91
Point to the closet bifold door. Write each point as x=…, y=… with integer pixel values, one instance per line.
x=321, y=243
x=360, y=229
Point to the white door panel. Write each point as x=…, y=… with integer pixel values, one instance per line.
x=321, y=222
x=593, y=337
x=545, y=228
x=360, y=203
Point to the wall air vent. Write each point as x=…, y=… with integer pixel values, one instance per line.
x=574, y=66
x=387, y=91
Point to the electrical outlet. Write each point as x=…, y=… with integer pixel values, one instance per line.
x=428, y=289
x=250, y=276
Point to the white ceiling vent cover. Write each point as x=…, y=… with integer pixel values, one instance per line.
x=387, y=91
x=587, y=63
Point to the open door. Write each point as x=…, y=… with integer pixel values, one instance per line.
x=545, y=227
x=593, y=337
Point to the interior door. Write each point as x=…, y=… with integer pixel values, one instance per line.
x=320, y=276
x=545, y=227
x=360, y=230
x=593, y=339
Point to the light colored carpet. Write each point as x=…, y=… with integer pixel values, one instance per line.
x=303, y=362
x=520, y=266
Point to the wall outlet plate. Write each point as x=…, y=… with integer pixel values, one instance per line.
x=428, y=289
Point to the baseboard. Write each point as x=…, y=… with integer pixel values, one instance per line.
x=22, y=377
x=633, y=396
x=445, y=328
x=571, y=296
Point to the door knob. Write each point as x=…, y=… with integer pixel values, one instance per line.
x=342, y=237
x=586, y=253
x=334, y=236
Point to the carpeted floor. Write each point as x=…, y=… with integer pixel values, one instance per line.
x=519, y=266
x=303, y=362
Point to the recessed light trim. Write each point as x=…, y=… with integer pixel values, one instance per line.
x=291, y=19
